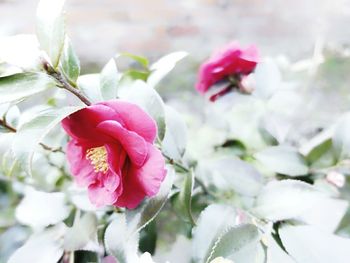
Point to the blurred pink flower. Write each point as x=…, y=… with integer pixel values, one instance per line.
x=229, y=62
x=109, y=259
x=111, y=152
x=335, y=178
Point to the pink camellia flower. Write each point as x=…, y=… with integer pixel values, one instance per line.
x=229, y=63
x=111, y=152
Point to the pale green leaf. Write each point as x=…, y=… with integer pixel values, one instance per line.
x=31, y=133
x=43, y=247
x=140, y=59
x=89, y=84
x=175, y=139
x=82, y=233
x=21, y=51
x=70, y=62
x=149, y=100
x=318, y=150
x=50, y=28
x=284, y=160
x=184, y=198
x=120, y=241
x=234, y=241
x=22, y=85
x=231, y=173
x=312, y=245
x=212, y=223
x=287, y=199
x=274, y=128
x=326, y=214
x=163, y=66
x=109, y=79
x=40, y=209
x=341, y=138
x=275, y=254
x=145, y=213
x=267, y=78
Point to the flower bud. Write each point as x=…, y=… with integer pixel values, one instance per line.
x=335, y=178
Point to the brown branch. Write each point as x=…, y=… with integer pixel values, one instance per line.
x=4, y=124
x=7, y=126
x=187, y=170
x=65, y=84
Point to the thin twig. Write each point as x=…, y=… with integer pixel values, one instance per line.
x=7, y=126
x=187, y=170
x=65, y=84
x=51, y=149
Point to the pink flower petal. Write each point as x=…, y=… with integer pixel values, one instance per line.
x=109, y=259
x=116, y=157
x=139, y=182
x=135, y=119
x=84, y=172
x=80, y=167
x=100, y=195
x=229, y=60
x=81, y=125
x=134, y=145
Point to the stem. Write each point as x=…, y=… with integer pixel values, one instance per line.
x=187, y=170
x=4, y=124
x=54, y=150
x=70, y=88
x=7, y=126
x=65, y=84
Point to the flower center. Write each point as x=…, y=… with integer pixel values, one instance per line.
x=98, y=158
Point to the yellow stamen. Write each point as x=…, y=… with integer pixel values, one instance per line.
x=98, y=158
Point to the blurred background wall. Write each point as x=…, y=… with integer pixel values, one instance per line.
x=100, y=28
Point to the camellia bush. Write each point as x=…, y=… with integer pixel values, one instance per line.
x=100, y=168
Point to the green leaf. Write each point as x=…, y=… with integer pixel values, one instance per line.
x=89, y=84
x=274, y=128
x=235, y=240
x=149, y=100
x=175, y=139
x=287, y=199
x=268, y=79
x=20, y=51
x=142, y=60
x=83, y=232
x=70, y=62
x=275, y=254
x=326, y=214
x=50, y=28
x=284, y=160
x=231, y=173
x=312, y=245
x=40, y=209
x=341, y=140
x=22, y=85
x=184, y=198
x=163, y=66
x=86, y=256
x=319, y=147
x=148, y=238
x=120, y=241
x=43, y=247
x=212, y=223
x=31, y=133
x=145, y=213
x=133, y=74
x=109, y=79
